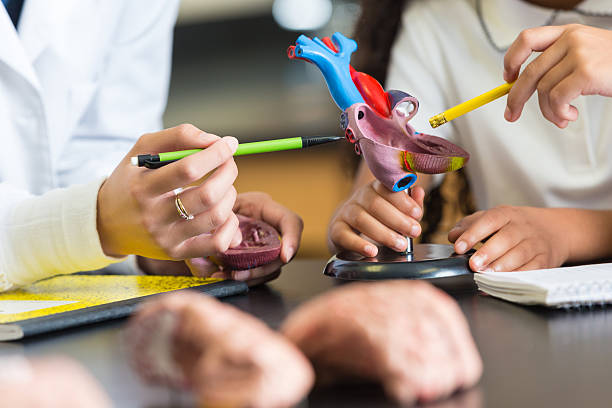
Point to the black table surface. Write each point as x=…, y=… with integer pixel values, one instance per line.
x=533, y=357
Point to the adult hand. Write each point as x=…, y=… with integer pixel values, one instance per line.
x=51, y=381
x=517, y=238
x=379, y=214
x=137, y=213
x=226, y=357
x=576, y=60
x=407, y=335
x=255, y=205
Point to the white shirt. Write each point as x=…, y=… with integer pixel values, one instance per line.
x=80, y=81
x=443, y=57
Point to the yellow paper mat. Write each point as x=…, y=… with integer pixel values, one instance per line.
x=86, y=290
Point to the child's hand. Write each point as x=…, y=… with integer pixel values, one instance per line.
x=260, y=206
x=383, y=216
x=576, y=60
x=517, y=238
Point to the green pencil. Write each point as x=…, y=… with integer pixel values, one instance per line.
x=154, y=161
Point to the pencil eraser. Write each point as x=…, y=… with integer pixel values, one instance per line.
x=134, y=161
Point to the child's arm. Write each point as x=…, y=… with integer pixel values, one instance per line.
x=379, y=214
x=524, y=238
x=576, y=60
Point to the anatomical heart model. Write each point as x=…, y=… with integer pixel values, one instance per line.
x=375, y=121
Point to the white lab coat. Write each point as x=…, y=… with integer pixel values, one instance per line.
x=80, y=81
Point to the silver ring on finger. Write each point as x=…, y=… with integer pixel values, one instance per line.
x=180, y=207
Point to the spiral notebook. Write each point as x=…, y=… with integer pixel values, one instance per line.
x=556, y=287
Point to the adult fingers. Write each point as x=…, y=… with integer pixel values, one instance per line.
x=208, y=244
x=468, y=364
x=237, y=239
x=528, y=41
x=497, y=246
x=180, y=137
x=555, y=75
x=191, y=168
x=202, y=198
x=528, y=80
x=202, y=267
x=208, y=221
x=358, y=218
x=399, y=199
x=343, y=236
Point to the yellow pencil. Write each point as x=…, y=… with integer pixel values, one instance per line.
x=470, y=105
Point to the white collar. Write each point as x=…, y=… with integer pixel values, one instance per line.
x=505, y=19
x=595, y=7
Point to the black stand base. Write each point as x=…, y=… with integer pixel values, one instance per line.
x=426, y=261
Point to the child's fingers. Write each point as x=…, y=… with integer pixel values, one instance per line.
x=537, y=262
x=392, y=217
x=289, y=224
x=497, y=246
x=362, y=221
x=343, y=236
x=418, y=195
x=463, y=225
x=555, y=75
x=568, y=89
x=256, y=273
x=486, y=225
x=399, y=199
x=532, y=39
x=527, y=82
x=513, y=258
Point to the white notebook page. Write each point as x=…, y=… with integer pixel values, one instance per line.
x=576, y=285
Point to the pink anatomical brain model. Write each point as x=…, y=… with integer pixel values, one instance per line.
x=375, y=121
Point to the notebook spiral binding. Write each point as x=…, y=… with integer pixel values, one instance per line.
x=587, y=294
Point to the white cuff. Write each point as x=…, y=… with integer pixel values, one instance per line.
x=52, y=234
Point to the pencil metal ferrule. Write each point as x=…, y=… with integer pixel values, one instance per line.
x=143, y=158
x=437, y=120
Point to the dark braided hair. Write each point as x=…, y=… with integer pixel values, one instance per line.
x=376, y=30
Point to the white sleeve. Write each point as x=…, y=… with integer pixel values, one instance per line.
x=130, y=96
x=42, y=236
x=418, y=66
